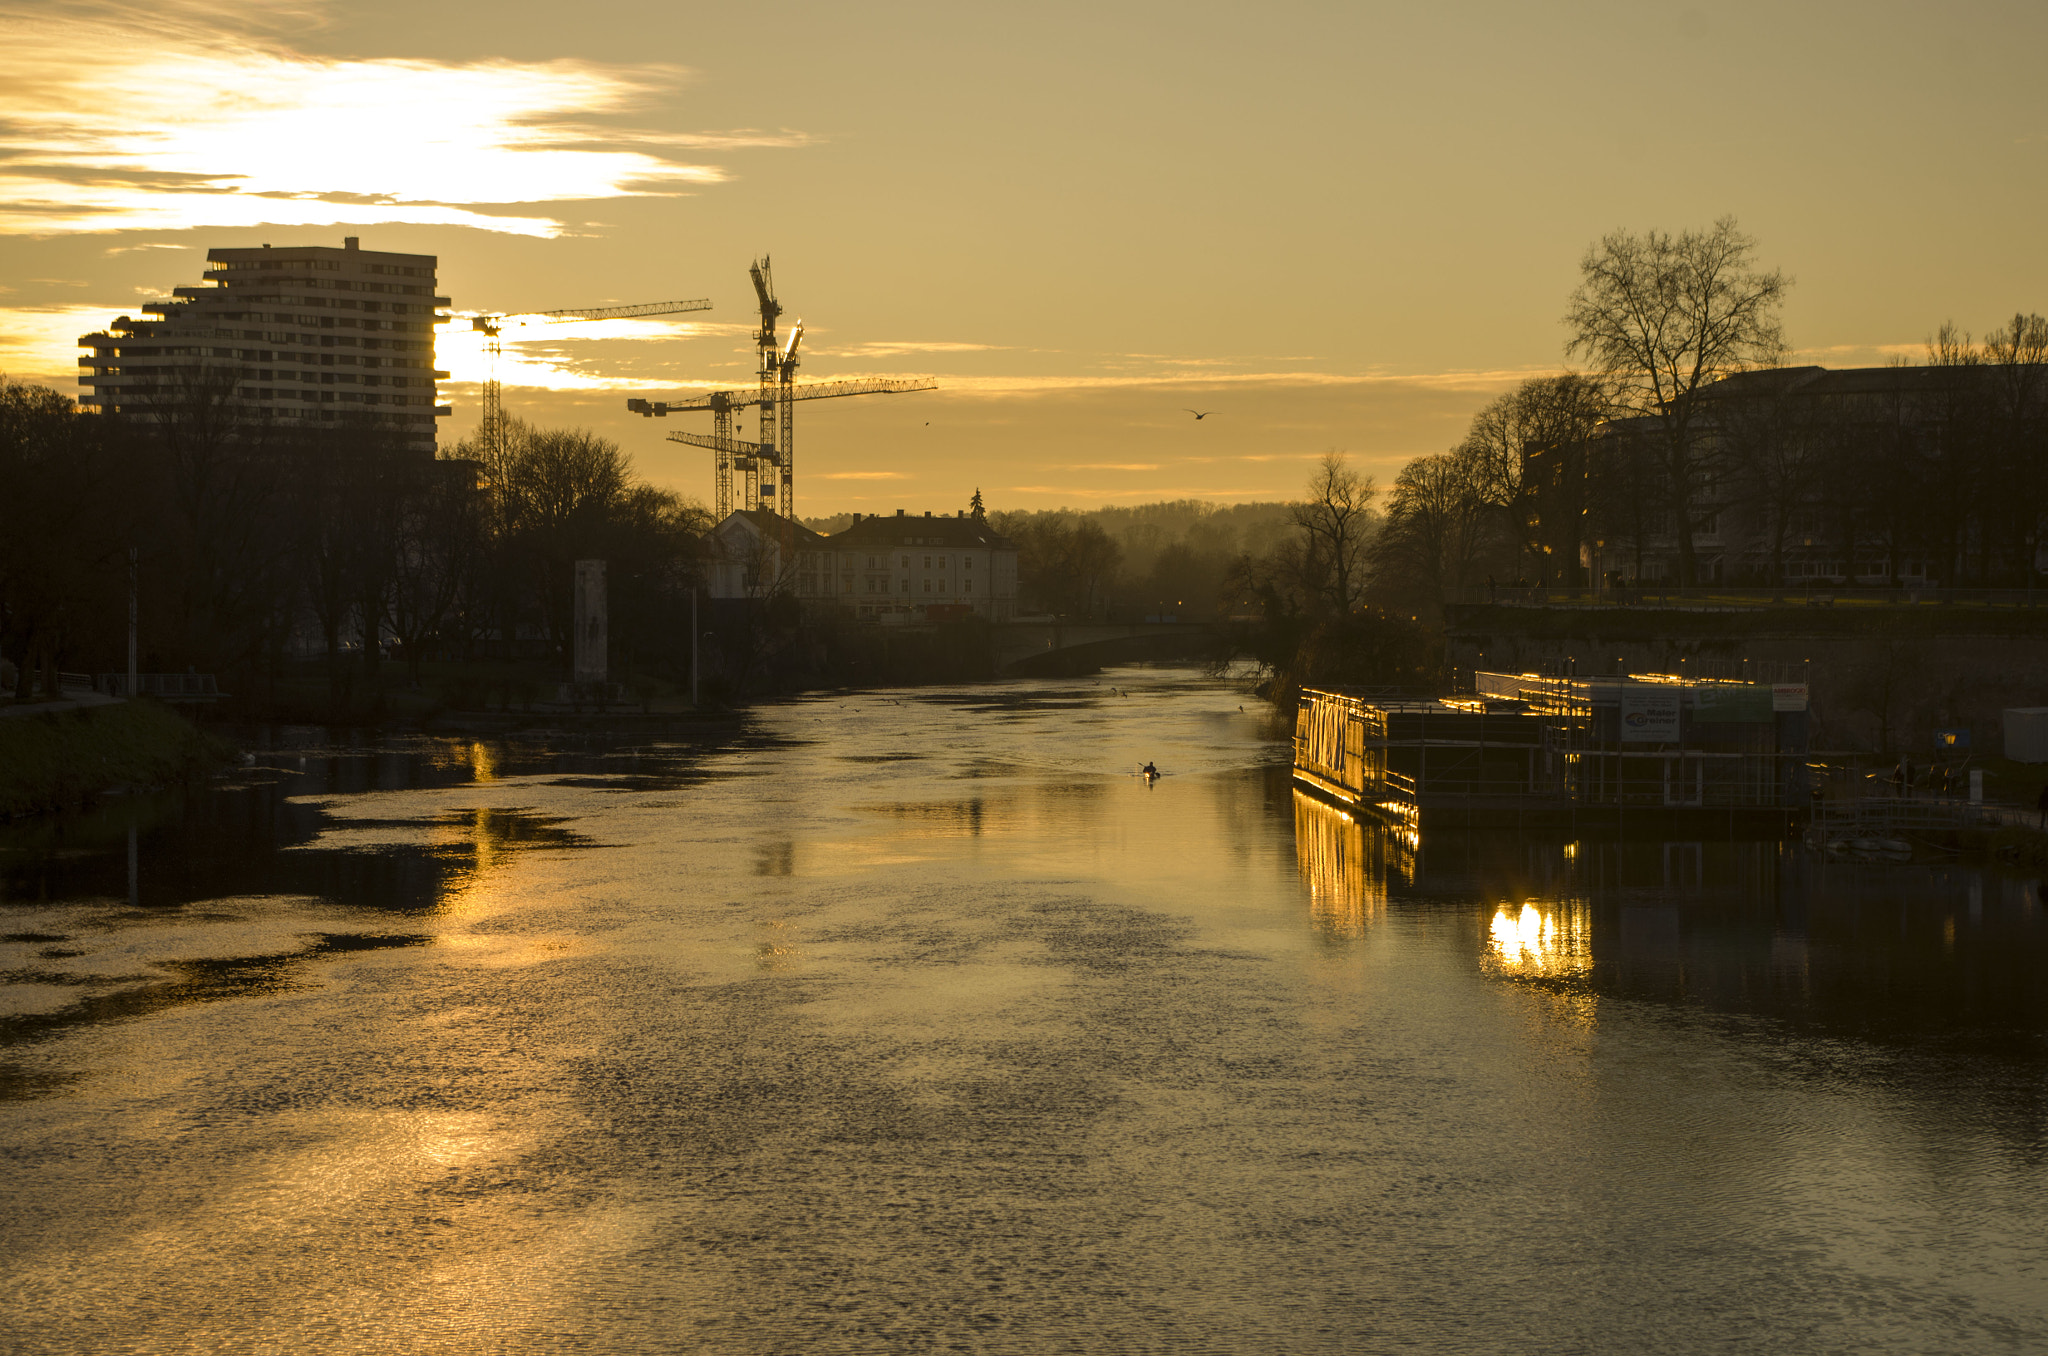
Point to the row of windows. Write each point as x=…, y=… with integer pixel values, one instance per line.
x=880, y=584
x=882, y=563
x=337, y=303
x=341, y=285
x=267, y=374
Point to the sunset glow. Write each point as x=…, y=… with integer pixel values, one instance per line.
x=207, y=131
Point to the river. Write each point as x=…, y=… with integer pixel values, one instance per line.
x=911, y=1020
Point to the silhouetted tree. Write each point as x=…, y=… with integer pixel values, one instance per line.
x=1661, y=317
x=1542, y=519
x=1438, y=526
x=1336, y=523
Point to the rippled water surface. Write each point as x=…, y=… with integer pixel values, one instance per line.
x=912, y=1021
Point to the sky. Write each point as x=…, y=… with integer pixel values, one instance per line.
x=1336, y=226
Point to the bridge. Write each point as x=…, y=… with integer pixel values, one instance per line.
x=1056, y=649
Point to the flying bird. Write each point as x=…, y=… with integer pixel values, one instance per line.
x=1199, y=414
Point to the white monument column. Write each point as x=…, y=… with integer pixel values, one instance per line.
x=591, y=624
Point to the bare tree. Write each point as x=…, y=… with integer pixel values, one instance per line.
x=1437, y=524
x=1336, y=524
x=1778, y=444
x=438, y=544
x=1662, y=316
x=1543, y=412
x=2018, y=353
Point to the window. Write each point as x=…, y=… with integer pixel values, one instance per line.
x=906, y=565
x=967, y=586
x=967, y=562
x=927, y=586
x=942, y=562
x=906, y=586
x=927, y=562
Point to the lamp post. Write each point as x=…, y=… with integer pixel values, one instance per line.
x=129, y=691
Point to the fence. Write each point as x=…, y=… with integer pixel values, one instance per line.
x=1908, y=817
x=1714, y=598
x=170, y=687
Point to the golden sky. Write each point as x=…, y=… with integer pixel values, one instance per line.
x=1336, y=225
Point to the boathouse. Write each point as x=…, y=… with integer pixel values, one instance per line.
x=1530, y=750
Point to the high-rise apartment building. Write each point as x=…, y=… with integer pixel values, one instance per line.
x=309, y=334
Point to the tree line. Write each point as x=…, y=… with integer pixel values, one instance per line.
x=1688, y=452
x=264, y=552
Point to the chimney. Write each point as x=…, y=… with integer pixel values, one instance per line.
x=349, y=242
x=927, y=513
x=899, y=513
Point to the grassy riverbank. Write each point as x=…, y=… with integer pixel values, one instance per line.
x=61, y=758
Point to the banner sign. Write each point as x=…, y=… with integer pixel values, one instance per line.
x=1735, y=703
x=1649, y=713
x=1788, y=696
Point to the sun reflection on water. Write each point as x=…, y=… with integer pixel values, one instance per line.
x=1551, y=941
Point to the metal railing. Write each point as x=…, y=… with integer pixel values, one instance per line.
x=168, y=686
x=1719, y=598
x=1907, y=816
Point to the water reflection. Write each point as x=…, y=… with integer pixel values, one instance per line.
x=1345, y=865
x=991, y=1049
x=1757, y=928
x=1553, y=941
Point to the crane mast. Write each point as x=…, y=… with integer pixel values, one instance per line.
x=758, y=488
x=490, y=429
x=764, y=471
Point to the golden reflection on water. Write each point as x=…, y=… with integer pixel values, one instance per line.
x=1345, y=865
x=1551, y=940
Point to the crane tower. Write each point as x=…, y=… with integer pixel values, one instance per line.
x=490, y=431
x=766, y=468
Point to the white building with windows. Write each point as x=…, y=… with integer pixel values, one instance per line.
x=307, y=334
x=904, y=568
x=893, y=569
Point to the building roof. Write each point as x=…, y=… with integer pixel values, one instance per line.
x=787, y=532
x=901, y=529
x=290, y=253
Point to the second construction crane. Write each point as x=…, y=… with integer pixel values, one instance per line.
x=491, y=426
x=765, y=470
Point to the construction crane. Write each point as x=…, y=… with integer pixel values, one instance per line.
x=491, y=429
x=752, y=459
x=767, y=467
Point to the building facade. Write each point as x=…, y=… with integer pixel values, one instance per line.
x=1894, y=476
x=902, y=568
x=758, y=553
x=307, y=334
x=892, y=569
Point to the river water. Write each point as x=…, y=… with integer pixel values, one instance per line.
x=911, y=1021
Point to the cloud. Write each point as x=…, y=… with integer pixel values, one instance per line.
x=892, y=348
x=1177, y=380
x=1857, y=355
x=864, y=475
x=40, y=343
x=1111, y=466
x=119, y=120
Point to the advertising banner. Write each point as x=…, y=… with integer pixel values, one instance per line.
x=1788, y=696
x=1649, y=714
